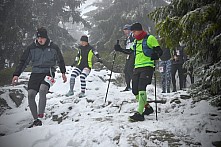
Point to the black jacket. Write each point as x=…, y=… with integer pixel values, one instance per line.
x=179, y=52
x=42, y=57
x=85, y=55
x=166, y=54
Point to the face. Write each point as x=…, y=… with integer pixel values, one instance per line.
x=83, y=43
x=127, y=32
x=41, y=40
x=135, y=32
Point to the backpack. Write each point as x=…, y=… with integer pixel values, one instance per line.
x=146, y=50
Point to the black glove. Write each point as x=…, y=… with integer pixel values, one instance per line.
x=99, y=60
x=117, y=47
x=154, y=56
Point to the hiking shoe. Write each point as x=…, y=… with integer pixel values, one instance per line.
x=81, y=94
x=148, y=110
x=70, y=93
x=174, y=90
x=126, y=89
x=136, y=117
x=37, y=122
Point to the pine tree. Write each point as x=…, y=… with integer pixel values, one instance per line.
x=20, y=18
x=197, y=24
x=110, y=17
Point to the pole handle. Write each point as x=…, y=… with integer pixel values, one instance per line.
x=117, y=42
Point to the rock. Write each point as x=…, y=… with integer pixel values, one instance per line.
x=98, y=66
x=184, y=97
x=2, y=134
x=59, y=120
x=17, y=96
x=216, y=143
x=54, y=117
x=163, y=135
x=210, y=131
x=1, y=92
x=3, y=106
x=176, y=100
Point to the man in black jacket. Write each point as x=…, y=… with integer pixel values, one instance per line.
x=129, y=65
x=177, y=65
x=44, y=55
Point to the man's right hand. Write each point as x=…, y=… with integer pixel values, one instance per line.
x=14, y=80
x=117, y=47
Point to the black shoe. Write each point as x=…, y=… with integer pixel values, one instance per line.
x=136, y=117
x=37, y=122
x=126, y=89
x=148, y=110
x=174, y=90
x=168, y=90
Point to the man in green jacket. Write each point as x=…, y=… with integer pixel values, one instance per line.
x=146, y=49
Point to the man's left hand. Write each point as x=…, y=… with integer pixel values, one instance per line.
x=154, y=56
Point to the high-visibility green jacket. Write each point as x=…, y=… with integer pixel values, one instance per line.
x=141, y=60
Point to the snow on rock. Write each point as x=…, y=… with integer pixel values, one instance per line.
x=87, y=121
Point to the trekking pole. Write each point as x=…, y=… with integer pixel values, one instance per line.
x=111, y=72
x=155, y=84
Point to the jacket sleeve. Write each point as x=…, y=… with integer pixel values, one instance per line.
x=158, y=51
x=95, y=52
x=60, y=60
x=23, y=62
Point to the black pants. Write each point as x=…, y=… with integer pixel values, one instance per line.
x=36, y=79
x=141, y=78
x=128, y=70
x=174, y=69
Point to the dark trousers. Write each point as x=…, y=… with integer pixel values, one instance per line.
x=128, y=70
x=175, y=68
x=141, y=78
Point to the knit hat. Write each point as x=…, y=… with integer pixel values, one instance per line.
x=42, y=32
x=126, y=27
x=84, y=38
x=136, y=27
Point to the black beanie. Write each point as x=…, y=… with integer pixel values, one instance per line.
x=42, y=32
x=136, y=27
x=84, y=38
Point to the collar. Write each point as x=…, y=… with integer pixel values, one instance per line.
x=141, y=35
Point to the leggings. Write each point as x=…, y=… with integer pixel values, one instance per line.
x=83, y=74
x=43, y=90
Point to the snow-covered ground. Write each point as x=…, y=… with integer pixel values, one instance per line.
x=74, y=122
